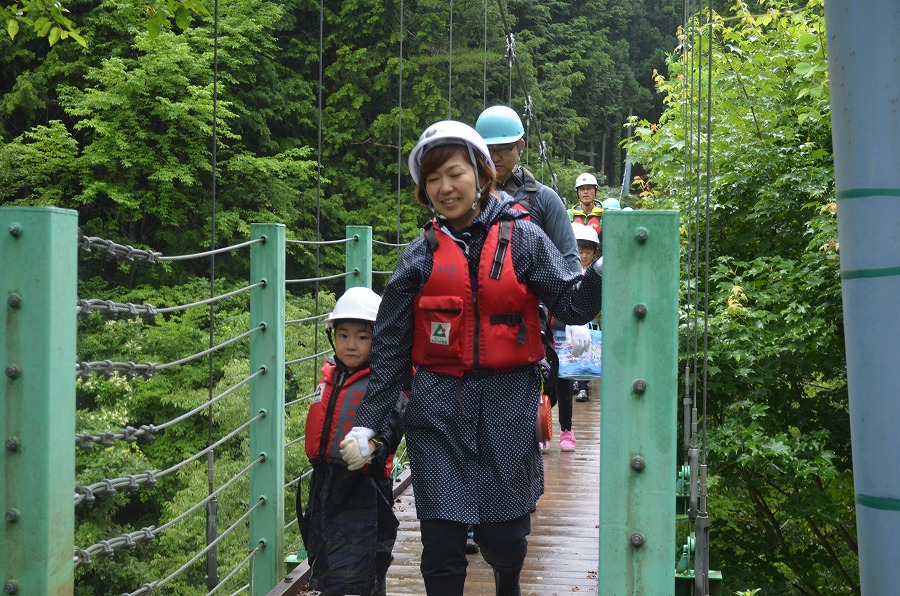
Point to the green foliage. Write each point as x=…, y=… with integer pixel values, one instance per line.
x=111, y=404
x=46, y=19
x=781, y=495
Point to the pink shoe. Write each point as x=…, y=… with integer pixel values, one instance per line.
x=545, y=446
x=567, y=441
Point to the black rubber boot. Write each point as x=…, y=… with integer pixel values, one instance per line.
x=382, y=562
x=445, y=585
x=507, y=584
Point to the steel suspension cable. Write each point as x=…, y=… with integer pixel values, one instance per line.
x=450, y=69
x=400, y=123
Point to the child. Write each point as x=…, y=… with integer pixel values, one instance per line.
x=349, y=526
x=588, y=249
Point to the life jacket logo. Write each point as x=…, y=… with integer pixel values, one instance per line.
x=440, y=333
x=317, y=396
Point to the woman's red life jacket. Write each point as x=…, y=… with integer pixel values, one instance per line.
x=332, y=414
x=460, y=329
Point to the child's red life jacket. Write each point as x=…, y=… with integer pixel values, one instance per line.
x=460, y=329
x=333, y=413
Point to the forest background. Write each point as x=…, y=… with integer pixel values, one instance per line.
x=110, y=111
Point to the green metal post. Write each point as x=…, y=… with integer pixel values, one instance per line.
x=267, y=263
x=359, y=256
x=38, y=273
x=638, y=440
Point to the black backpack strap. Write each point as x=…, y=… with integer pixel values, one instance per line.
x=502, y=247
x=430, y=236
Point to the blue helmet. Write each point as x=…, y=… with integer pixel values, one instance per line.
x=611, y=204
x=499, y=125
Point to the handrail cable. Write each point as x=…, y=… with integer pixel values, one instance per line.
x=194, y=457
x=259, y=459
x=108, y=367
x=147, y=588
x=299, y=478
x=214, y=252
x=321, y=278
x=322, y=242
x=250, y=555
x=310, y=357
x=306, y=319
x=398, y=244
x=130, y=434
x=298, y=400
x=82, y=556
x=230, y=390
x=84, y=306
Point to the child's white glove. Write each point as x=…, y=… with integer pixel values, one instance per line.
x=579, y=337
x=355, y=447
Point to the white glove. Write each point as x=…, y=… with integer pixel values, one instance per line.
x=355, y=447
x=579, y=337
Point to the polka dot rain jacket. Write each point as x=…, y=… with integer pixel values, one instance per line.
x=472, y=448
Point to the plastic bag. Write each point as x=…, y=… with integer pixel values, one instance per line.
x=584, y=367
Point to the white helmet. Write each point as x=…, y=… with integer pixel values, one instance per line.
x=585, y=180
x=587, y=233
x=448, y=132
x=611, y=204
x=357, y=303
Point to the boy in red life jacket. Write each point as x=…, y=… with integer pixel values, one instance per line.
x=349, y=526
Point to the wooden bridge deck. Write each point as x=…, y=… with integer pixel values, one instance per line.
x=563, y=545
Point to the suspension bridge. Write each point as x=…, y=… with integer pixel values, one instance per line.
x=638, y=477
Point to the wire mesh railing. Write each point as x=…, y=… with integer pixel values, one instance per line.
x=143, y=430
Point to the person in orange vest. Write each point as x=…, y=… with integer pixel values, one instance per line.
x=462, y=308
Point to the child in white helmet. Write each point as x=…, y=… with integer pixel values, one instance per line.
x=348, y=501
x=588, y=251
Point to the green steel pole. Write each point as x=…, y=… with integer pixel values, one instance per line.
x=638, y=442
x=38, y=274
x=267, y=263
x=359, y=256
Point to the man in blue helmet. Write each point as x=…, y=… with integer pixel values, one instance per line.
x=502, y=130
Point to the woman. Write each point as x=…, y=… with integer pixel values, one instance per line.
x=462, y=306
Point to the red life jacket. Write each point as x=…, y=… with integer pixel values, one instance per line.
x=592, y=219
x=332, y=414
x=457, y=332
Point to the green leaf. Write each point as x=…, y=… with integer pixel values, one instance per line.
x=182, y=17
x=53, y=37
x=12, y=27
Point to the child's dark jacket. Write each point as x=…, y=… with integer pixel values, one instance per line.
x=349, y=527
